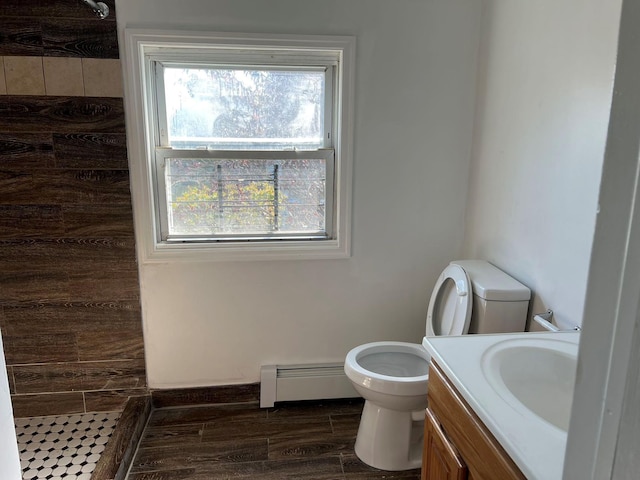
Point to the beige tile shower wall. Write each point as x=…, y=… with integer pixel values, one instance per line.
x=23, y=75
x=63, y=76
x=102, y=77
x=60, y=76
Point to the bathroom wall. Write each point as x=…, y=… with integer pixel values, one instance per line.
x=544, y=94
x=217, y=322
x=69, y=292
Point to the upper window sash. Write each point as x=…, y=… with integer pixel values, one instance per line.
x=329, y=66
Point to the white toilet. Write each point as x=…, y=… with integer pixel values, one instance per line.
x=470, y=296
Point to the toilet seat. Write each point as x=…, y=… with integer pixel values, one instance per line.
x=451, y=300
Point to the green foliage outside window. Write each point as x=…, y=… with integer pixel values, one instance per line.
x=227, y=207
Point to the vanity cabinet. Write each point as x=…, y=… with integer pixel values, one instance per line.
x=440, y=459
x=457, y=445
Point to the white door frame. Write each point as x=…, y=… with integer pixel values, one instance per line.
x=610, y=339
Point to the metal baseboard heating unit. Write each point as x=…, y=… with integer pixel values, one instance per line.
x=279, y=383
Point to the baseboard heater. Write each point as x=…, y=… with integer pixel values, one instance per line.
x=280, y=383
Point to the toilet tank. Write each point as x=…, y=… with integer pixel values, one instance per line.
x=500, y=302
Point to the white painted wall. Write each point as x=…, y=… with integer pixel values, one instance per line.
x=216, y=323
x=9, y=456
x=544, y=93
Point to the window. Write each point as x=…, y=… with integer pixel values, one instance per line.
x=244, y=152
x=246, y=145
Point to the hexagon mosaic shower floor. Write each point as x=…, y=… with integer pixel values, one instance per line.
x=63, y=447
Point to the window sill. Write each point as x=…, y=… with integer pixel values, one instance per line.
x=245, y=251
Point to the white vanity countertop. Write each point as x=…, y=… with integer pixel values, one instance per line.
x=537, y=447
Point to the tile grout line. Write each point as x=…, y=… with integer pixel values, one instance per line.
x=4, y=75
x=84, y=86
x=341, y=456
x=44, y=79
x=79, y=361
x=13, y=377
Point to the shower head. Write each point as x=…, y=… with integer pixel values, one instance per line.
x=100, y=9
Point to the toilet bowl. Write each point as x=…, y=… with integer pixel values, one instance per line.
x=392, y=376
x=394, y=373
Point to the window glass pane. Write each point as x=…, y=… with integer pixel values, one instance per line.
x=236, y=109
x=250, y=197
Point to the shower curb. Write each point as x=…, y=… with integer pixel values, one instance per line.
x=117, y=456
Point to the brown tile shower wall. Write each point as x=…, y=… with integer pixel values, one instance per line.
x=69, y=293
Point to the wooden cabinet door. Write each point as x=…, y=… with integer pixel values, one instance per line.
x=440, y=459
x=482, y=453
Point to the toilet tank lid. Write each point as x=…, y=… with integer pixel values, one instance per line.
x=491, y=283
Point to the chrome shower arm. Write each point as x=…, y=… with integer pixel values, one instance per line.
x=99, y=8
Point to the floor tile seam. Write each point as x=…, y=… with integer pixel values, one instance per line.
x=180, y=446
x=163, y=424
x=230, y=423
x=277, y=413
x=274, y=437
x=271, y=444
x=204, y=405
x=322, y=441
x=197, y=468
x=329, y=437
x=276, y=427
x=230, y=438
x=183, y=443
x=341, y=457
x=268, y=449
x=345, y=414
x=201, y=432
x=144, y=472
x=172, y=425
x=173, y=431
x=301, y=460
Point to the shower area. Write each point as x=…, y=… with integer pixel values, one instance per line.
x=69, y=294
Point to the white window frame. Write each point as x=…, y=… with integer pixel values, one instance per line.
x=142, y=47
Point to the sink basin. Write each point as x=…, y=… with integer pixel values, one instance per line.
x=534, y=376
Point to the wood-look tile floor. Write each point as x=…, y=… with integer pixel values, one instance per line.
x=301, y=440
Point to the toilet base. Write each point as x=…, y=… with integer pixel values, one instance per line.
x=389, y=439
